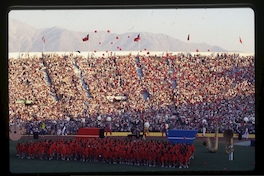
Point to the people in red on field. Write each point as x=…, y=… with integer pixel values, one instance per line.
x=107, y=150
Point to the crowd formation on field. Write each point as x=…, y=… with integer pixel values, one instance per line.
x=181, y=90
x=110, y=150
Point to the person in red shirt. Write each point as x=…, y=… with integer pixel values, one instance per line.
x=174, y=159
x=58, y=150
x=41, y=151
x=63, y=151
x=137, y=156
x=29, y=150
x=180, y=160
x=35, y=149
x=51, y=150
x=22, y=150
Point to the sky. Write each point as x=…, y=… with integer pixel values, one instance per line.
x=217, y=26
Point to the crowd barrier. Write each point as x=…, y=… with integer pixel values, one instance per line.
x=90, y=133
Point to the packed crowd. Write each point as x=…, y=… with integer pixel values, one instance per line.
x=109, y=150
x=182, y=90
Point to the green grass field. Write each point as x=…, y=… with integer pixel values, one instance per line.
x=244, y=160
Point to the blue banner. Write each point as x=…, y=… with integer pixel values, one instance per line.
x=182, y=136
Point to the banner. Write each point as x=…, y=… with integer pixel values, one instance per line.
x=116, y=98
x=20, y=101
x=182, y=136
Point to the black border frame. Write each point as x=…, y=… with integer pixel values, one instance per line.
x=256, y=5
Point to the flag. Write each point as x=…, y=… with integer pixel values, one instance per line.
x=43, y=39
x=188, y=38
x=240, y=40
x=86, y=38
x=137, y=38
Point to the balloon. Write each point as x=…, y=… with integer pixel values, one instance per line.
x=245, y=119
x=146, y=124
x=108, y=119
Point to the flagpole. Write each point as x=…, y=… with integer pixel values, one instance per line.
x=42, y=49
x=188, y=47
x=139, y=46
x=88, y=48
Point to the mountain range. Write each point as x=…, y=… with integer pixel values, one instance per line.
x=25, y=38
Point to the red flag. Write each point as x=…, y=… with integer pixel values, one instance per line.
x=86, y=38
x=137, y=38
x=188, y=38
x=43, y=39
x=240, y=40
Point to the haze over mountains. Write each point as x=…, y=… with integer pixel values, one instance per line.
x=24, y=38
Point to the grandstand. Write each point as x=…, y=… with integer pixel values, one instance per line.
x=181, y=89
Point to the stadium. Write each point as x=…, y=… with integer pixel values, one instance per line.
x=134, y=99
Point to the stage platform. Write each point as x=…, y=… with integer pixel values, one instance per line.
x=159, y=134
